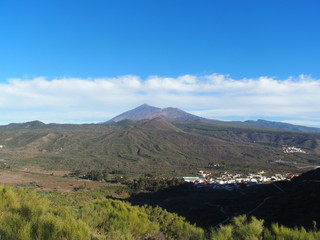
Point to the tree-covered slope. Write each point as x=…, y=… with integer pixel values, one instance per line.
x=157, y=146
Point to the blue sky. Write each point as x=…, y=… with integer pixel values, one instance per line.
x=86, y=61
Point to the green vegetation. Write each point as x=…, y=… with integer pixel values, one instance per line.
x=111, y=219
x=26, y=216
x=117, y=153
x=172, y=225
x=242, y=228
x=153, y=184
x=156, y=147
x=95, y=175
x=23, y=216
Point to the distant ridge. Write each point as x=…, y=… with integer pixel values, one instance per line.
x=170, y=114
x=146, y=112
x=27, y=125
x=280, y=125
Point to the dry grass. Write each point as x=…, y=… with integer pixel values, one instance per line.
x=36, y=177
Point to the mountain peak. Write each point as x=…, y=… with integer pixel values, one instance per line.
x=146, y=111
x=145, y=106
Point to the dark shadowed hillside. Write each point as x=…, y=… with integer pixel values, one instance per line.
x=292, y=204
x=313, y=175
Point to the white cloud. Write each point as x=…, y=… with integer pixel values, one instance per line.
x=212, y=96
x=302, y=122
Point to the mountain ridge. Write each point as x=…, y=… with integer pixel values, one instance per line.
x=157, y=146
x=147, y=112
x=171, y=114
x=281, y=125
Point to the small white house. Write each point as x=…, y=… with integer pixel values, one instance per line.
x=191, y=179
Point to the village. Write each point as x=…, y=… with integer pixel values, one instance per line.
x=233, y=181
x=292, y=149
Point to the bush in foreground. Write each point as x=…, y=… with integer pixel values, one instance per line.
x=25, y=216
x=242, y=228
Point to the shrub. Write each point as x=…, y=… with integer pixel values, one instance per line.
x=24, y=216
x=173, y=226
x=112, y=218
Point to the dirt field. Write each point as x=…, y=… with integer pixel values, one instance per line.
x=40, y=170
x=46, y=180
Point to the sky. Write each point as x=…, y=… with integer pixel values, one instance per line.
x=79, y=61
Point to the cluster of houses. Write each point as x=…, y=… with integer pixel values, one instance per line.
x=231, y=181
x=292, y=150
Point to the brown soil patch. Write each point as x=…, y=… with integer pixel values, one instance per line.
x=44, y=181
x=40, y=170
x=22, y=153
x=123, y=195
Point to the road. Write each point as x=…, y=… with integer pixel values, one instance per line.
x=278, y=187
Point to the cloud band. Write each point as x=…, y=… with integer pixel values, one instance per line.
x=213, y=96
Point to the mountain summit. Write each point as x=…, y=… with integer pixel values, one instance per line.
x=145, y=111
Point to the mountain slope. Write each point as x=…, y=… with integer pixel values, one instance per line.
x=159, y=147
x=175, y=115
x=145, y=111
x=280, y=125
x=165, y=141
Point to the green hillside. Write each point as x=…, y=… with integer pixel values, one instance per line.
x=157, y=147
